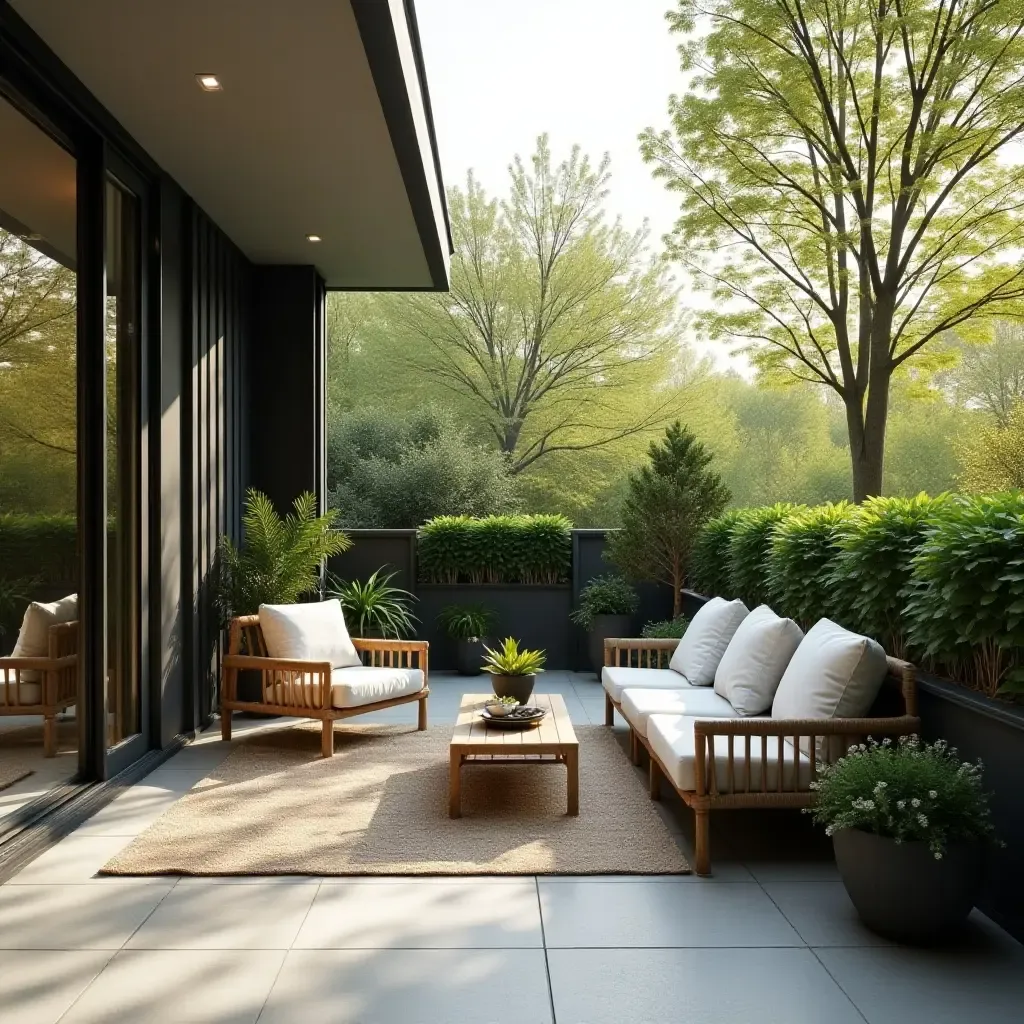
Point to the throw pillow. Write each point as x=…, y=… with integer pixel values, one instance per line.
x=706, y=639
x=308, y=632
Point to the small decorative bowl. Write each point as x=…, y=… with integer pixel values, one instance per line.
x=497, y=709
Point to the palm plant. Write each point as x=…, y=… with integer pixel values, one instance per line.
x=279, y=559
x=375, y=608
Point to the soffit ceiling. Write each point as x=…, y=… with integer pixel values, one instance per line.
x=295, y=144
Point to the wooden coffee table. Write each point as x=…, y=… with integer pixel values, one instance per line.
x=552, y=742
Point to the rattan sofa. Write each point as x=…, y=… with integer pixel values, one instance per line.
x=743, y=762
x=310, y=689
x=43, y=686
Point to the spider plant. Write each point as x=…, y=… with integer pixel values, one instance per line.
x=375, y=608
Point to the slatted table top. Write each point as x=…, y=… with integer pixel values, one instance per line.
x=553, y=734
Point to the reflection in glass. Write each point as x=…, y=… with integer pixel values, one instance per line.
x=122, y=370
x=40, y=705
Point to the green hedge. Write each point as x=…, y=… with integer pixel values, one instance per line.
x=709, y=564
x=43, y=548
x=802, y=556
x=937, y=580
x=750, y=543
x=533, y=549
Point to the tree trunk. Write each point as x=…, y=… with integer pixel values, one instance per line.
x=677, y=591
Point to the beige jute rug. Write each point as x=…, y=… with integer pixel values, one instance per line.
x=379, y=807
x=12, y=772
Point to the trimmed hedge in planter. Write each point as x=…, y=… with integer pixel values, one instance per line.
x=532, y=549
x=803, y=552
x=750, y=544
x=709, y=564
x=41, y=547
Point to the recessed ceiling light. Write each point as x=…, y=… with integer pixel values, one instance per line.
x=313, y=238
x=209, y=83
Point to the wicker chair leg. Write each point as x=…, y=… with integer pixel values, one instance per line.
x=654, y=779
x=422, y=723
x=49, y=736
x=327, y=738
x=225, y=724
x=609, y=710
x=702, y=853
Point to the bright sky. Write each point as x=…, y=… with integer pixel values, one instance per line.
x=593, y=72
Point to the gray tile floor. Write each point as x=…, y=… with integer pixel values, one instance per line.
x=771, y=938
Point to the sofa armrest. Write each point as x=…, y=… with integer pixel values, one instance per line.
x=804, y=734
x=639, y=652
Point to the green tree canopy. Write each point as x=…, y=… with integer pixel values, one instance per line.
x=992, y=456
x=668, y=501
x=849, y=192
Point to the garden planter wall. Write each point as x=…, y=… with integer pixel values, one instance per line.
x=980, y=727
x=536, y=615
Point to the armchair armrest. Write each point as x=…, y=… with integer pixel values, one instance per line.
x=395, y=653
x=290, y=683
x=649, y=651
x=262, y=664
x=763, y=767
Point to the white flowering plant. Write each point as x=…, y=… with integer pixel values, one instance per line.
x=908, y=791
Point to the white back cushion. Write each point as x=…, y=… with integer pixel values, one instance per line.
x=758, y=654
x=706, y=639
x=834, y=674
x=34, y=635
x=308, y=632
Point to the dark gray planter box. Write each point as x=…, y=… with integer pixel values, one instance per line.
x=606, y=626
x=993, y=730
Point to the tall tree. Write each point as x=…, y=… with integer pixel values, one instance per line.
x=849, y=188
x=560, y=327
x=668, y=500
x=992, y=455
x=991, y=376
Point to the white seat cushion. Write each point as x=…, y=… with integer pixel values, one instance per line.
x=616, y=678
x=355, y=686
x=706, y=639
x=26, y=693
x=671, y=737
x=695, y=701
x=758, y=654
x=34, y=635
x=308, y=632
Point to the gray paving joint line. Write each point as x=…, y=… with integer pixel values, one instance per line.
x=814, y=952
x=544, y=945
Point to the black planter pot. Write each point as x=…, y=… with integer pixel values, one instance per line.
x=519, y=687
x=469, y=657
x=605, y=626
x=902, y=892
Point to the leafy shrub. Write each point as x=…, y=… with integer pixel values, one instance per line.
x=965, y=600
x=495, y=549
x=390, y=471
x=803, y=551
x=39, y=547
x=873, y=566
x=668, y=629
x=910, y=792
x=749, y=546
x=709, y=565
x=374, y=608
x=604, y=595
x=466, y=621
x=509, y=660
x=280, y=558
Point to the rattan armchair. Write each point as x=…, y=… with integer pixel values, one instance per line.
x=51, y=685
x=747, y=762
x=303, y=689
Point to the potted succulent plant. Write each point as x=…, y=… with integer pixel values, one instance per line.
x=909, y=823
x=468, y=625
x=514, y=671
x=607, y=604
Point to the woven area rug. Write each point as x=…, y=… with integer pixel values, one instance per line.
x=12, y=772
x=379, y=807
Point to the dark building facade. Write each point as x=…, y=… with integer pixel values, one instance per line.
x=203, y=230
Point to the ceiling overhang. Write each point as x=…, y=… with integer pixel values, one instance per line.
x=322, y=127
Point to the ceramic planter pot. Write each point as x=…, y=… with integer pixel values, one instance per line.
x=469, y=657
x=902, y=892
x=605, y=626
x=519, y=687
